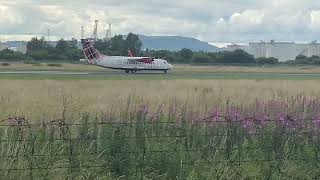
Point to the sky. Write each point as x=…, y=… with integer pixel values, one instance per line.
x=214, y=21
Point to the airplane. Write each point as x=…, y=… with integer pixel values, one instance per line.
x=126, y=63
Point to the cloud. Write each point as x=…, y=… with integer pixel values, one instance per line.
x=315, y=21
x=209, y=20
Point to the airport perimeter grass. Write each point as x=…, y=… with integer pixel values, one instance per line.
x=37, y=99
x=130, y=151
x=188, y=148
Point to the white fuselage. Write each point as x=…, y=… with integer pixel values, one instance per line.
x=131, y=63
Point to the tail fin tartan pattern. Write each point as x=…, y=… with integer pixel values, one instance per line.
x=91, y=53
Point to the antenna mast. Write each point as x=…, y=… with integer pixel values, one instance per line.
x=82, y=32
x=95, y=31
x=108, y=31
x=48, y=35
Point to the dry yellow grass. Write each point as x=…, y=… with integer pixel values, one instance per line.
x=45, y=99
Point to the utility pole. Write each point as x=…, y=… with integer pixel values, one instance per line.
x=82, y=32
x=110, y=32
x=48, y=36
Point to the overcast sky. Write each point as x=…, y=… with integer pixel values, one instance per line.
x=209, y=20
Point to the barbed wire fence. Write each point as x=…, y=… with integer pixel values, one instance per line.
x=148, y=148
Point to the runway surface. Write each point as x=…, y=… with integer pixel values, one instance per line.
x=146, y=72
x=45, y=72
x=155, y=74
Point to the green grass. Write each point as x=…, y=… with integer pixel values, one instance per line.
x=171, y=146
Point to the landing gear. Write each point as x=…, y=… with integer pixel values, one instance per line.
x=165, y=71
x=130, y=71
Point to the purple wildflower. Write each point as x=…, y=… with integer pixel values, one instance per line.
x=281, y=116
x=12, y=120
x=232, y=113
x=143, y=109
x=154, y=116
x=316, y=119
x=248, y=123
x=287, y=120
x=262, y=118
x=215, y=113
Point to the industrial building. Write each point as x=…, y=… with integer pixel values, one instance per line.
x=22, y=48
x=283, y=51
x=3, y=46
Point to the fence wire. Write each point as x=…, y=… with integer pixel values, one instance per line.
x=37, y=151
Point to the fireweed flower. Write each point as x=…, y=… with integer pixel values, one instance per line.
x=215, y=113
x=232, y=113
x=281, y=117
x=287, y=120
x=12, y=120
x=314, y=127
x=196, y=117
x=261, y=118
x=153, y=116
x=316, y=122
x=249, y=124
x=143, y=109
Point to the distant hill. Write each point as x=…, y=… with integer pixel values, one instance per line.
x=19, y=43
x=15, y=43
x=172, y=43
x=175, y=43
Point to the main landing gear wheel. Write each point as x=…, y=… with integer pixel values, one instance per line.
x=127, y=71
x=165, y=71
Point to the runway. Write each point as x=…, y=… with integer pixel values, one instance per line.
x=45, y=72
x=160, y=75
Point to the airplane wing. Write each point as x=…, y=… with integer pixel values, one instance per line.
x=141, y=59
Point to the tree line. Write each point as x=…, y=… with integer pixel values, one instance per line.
x=38, y=49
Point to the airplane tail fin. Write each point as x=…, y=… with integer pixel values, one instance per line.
x=130, y=53
x=90, y=53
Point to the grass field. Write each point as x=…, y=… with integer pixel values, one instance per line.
x=37, y=98
x=155, y=126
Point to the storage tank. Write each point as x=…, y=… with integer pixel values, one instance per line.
x=3, y=46
x=234, y=47
x=284, y=51
x=257, y=49
x=313, y=50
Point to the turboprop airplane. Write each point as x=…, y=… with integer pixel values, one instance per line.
x=126, y=63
